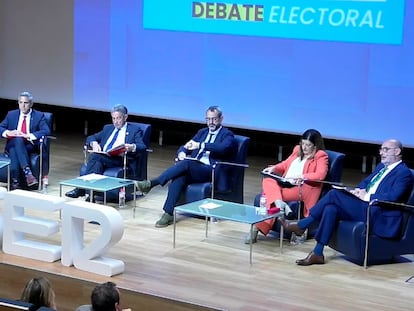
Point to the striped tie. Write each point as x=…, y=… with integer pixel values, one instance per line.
x=208, y=140
x=113, y=140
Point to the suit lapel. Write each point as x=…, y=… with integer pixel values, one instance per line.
x=127, y=134
x=107, y=135
x=390, y=176
x=32, y=122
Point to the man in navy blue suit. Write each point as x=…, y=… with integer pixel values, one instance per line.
x=120, y=132
x=23, y=129
x=391, y=181
x=194, y=162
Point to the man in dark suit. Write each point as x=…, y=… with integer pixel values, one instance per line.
x=23, y=129
x=211, y=144
x=112, y=135
x=391, y=181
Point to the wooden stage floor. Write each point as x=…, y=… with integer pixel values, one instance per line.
x=208, y=273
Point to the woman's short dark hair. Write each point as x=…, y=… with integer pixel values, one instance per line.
x=315, y=137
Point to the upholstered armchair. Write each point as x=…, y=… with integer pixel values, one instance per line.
x=139, y=172
x=358, y=243
x=335, y=162
x=234, y=172
x=39, y=161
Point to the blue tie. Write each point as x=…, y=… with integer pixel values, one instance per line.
x=113, y=140
x=208, y=140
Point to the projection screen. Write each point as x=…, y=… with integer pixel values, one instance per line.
x=343, y=67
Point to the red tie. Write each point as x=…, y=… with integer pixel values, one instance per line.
x=24, y=130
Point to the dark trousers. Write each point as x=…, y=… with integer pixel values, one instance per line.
x=181, y=174
x=19, y=151
x=334, y=206
x=97, y=163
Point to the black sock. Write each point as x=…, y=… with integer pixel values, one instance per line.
x=154, y=182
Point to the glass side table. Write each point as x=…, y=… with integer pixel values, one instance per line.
x=99, y=183
x=242, y=213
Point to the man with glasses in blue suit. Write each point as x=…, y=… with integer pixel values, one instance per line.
x=391, y=181
x=194, y=162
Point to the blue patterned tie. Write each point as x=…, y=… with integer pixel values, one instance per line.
x=208, y=139
x=113, y=140
x=376, y=178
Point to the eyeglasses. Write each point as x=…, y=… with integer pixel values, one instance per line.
x=386, y=149
x=214, y=119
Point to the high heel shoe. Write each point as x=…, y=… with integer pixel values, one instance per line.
x=291, y=226
x=287, y=211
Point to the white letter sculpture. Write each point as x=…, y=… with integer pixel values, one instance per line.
x=89, y=258
x=17, y=224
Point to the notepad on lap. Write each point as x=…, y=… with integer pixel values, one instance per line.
x=115, y=151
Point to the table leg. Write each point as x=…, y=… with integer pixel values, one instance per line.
x=8, y=177
x=206, y=226
x=104, y=197
x=135, y=201
x=251, y=242
x=281, y=238
x=175, y=217
x=60, y=195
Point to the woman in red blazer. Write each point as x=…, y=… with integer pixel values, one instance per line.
x=308, y=161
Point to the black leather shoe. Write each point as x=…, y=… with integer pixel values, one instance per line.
x=75, y=193
x=311, y=259
x=15, y=185
x=88, y=199
x=291, y=226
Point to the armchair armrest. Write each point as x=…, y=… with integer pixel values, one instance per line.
x=393, y=205
x=386, y=205
x=42, y=140
x=214, y=169
x=44, y=137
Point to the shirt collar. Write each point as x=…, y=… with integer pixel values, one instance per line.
x=391, y=166
x=28, y=114
x=216, y=131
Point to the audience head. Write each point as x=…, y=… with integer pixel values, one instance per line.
x=39, y=292
x=310, y=142
x=119, y=114
x=214, y=117
x=25, y=101
x=105, y=297
x=391, y=151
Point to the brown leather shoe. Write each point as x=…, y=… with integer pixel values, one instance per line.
x=311, y=259
x=291, y=226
